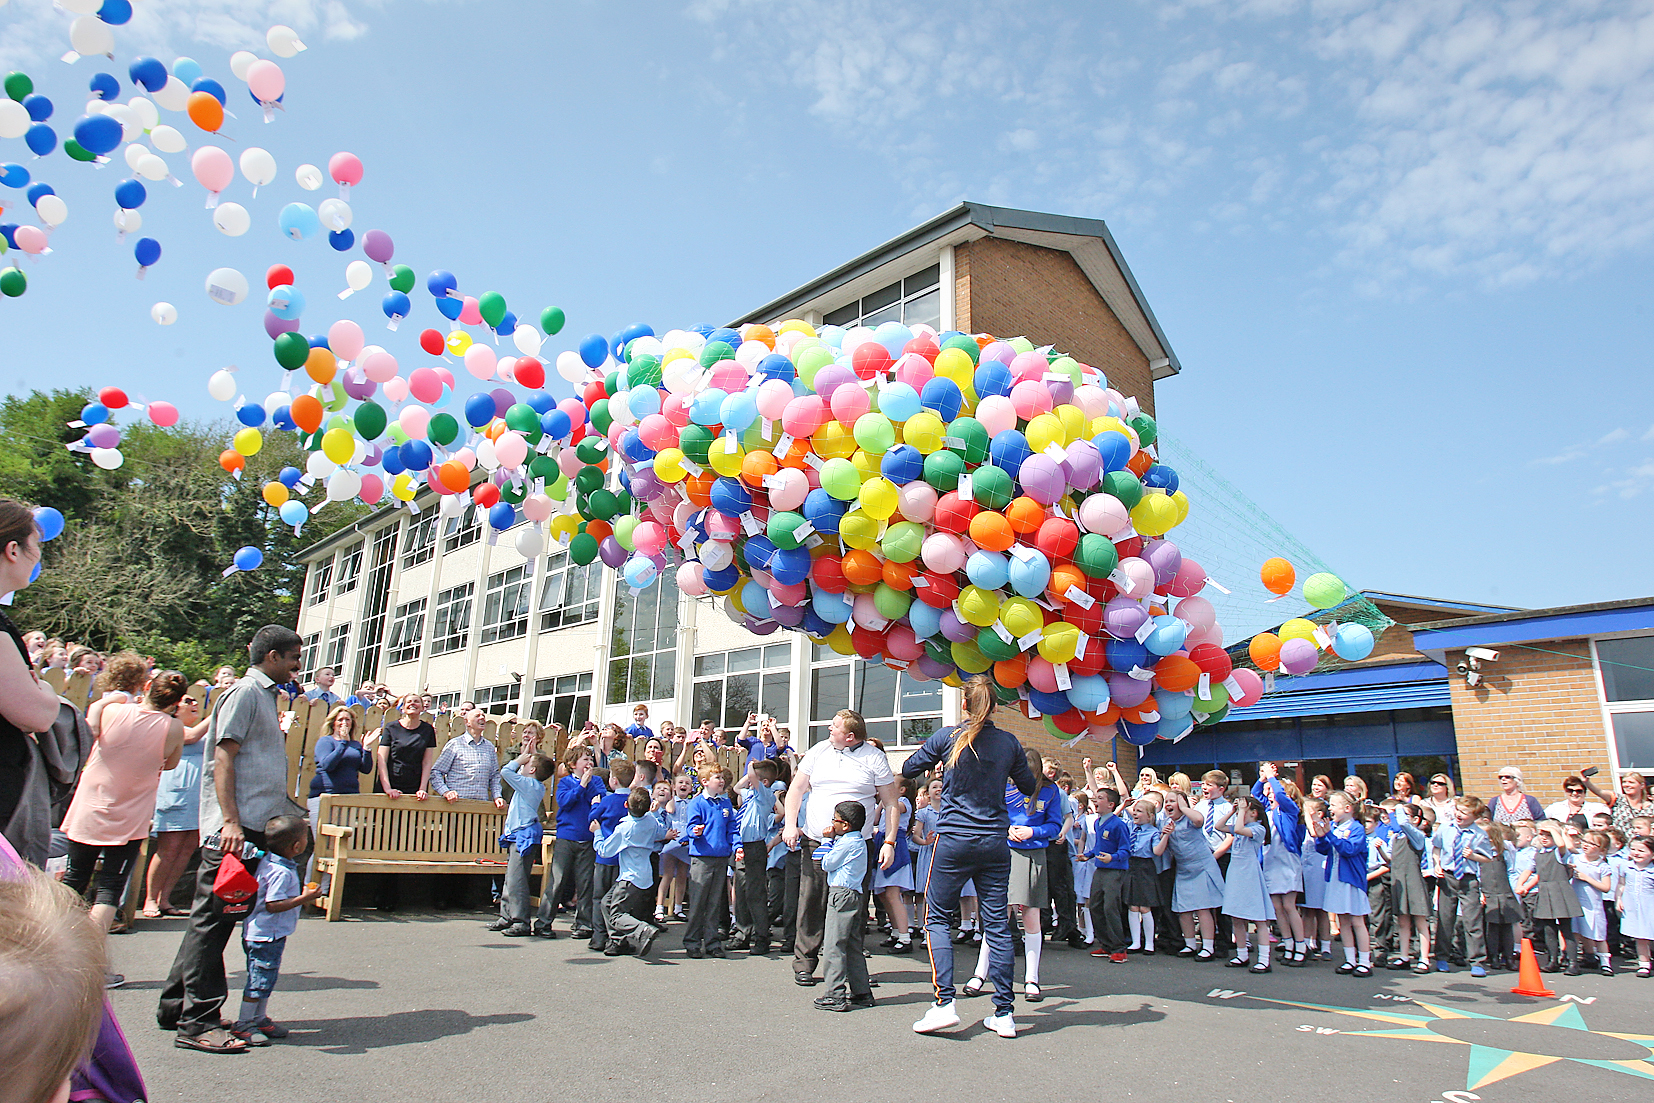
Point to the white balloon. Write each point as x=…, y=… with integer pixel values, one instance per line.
x=571, y=367
x=128, y=222
x=283, y=41
x=449, y=505
x=144, y=110
x=167, y=139
x=530, y=543
x=319, y=466
x=52, y=210
x=90, y=35
x=164, y=313
x=258, y=166
x=133, y=153
x=221, y=385
x=151, y=167
x=505, y=367
x=358, y=274
x=130, y=131
x=308, y=176
x=226, y=286
x=334, y=213
x=14, y=119
x=108, y=458
x=231, y=219
x=276, y=400
x=82, y=7
x=343, y=485
x=486, y=459
x=527, y=339
x=240, y=62
x=174, y=95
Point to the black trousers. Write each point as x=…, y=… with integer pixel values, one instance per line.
x=1059, y=875
x=603, y=879
x=752, y=895
x=812, y=904
x=791, y=874
x=196, y=989
x=110, y=886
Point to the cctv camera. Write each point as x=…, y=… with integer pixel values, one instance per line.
x=1483, y=654
x=1472, y=679
x=1463, y=668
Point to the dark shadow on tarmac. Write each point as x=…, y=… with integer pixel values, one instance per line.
x=359, y=1035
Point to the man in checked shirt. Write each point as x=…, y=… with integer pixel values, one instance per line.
x=468, y=767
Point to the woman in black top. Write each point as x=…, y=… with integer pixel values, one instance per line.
x=26, y=703
x=407, y=747
x=979, y=760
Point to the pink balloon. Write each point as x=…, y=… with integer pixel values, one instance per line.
x=511, y=449
x=849, y=403
x=917, y=501
x=396, y=389
x=914, y=370
x=30, y=239
x=793, y=596
x=1042, y=675
x=266, y=81
x=1091, y=400
x=373, y=488
x=1027, y=365
x=772, y=398
x=1197, y=612
x=1140, y=577
x=1251, y=687
x=691, y=579
x=1189, y=580
x=345, y=168
x=164, y=414
x=1104, y=514
x=728, y=376
x=789, y=489
x=804, y=414
x=470, y=314
x=480, y=361
x=575, y=409
x=414, y=420
x=996, y=414
x=381, y=367
x=902, y=644
x=466, y=457
x=657, y=433
x=649, y=538
x=425, y=385
x=675, y=410
x=213, y=168
x=943, y=551
x=345, y=339
x=1031, y=398
x=569, y=463
x=865, y=612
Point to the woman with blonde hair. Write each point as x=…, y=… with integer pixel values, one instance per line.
x=177, y=816
x=342, y=757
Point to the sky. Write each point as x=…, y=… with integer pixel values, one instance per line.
x=1401, y=248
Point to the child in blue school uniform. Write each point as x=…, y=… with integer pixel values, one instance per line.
x=631, y=843
x=526, y=776
x=1143, y=877
x=609, y=810
x=674, y=857
x=843, y=968
x=757, y=817
x=1344, y=842
x=711, y=825
x=1245, y=895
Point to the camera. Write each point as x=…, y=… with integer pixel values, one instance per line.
x=1482, y=654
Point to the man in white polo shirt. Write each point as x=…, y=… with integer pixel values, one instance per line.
x=844, y=767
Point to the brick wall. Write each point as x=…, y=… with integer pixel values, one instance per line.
x=1010, y=289
x=1534, y=710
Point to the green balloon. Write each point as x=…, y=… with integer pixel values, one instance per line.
x=902, y=542
x=558, y=491
x=891, y=603
x=992, y=487
x=1124, y=486
x=600, y=417
x=969, y=346
x=402, y=278
x=938, y=650
x=1145, y=428
x=543, y=467
x=522, y=418
x=1096, y=556
x=604, y=505
x=78, y=152
x=1324, y=590
x=942, y=470
x=874, y=434
x=18, y=85
x=840, y=479
x=644, y=371
x=443, y=429
x=714, y=351
x=491, y=305
x=370, y=420
x=989, y=643
x=624, y=527
x=511, y=493
x=13, y=282
x=695, y=440
x=551, y=320
x=973, y=438
x=587, y=451
x=783, y=527
x=812, y=360
x=583, y=549
x=292, y=350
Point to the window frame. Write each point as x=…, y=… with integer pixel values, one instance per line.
x=406, y=621
x=321, y=580
x=625, y=661
x=773, y=681
x=419, y=543
x=562, y=575
x=1611, y=710
x=446, y=638
x=336, y=646
x=858, y=670
x=904, y=298
x=576, y=689
x=501, y=623
x=349, y=573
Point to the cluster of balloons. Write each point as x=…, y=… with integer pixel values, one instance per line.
x=1298, y=646
x=103, y=437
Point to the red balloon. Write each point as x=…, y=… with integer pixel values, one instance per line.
x=1096, y=658
x=869, y=359
x=486, y=495
x=112, y=397
x=1128, y=549
x=939, y=589
x=432, y=342
x=1057, y=538
x=1089, y=621
x=953, y=513
x=1072, y=722
x=828, y=574
x=594, y=391
x=1212, y=660
x=924, y=346
x=867, y=642
x=530, y=373
x=278, y=275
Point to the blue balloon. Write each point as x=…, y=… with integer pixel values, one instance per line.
x=988, y=569
x=14, y=176
x=450, y=308
x=1114, y=448
x=540, y=402
x=556, y=424
x=1168, y=636
x=212, y=88
x=130, y=194
x=1173, y=706
x=148, y=251
x=37, y=192
x=811, y=625
x=508, y=324
x=250, y=414
x=943, y=397
x=94, y=413
x=34, y=575
x=1088, y=692
x=720, y=580
x=925, y=620
x=992, y=378
x=299, y=221
x=415, y=455
x=391, y=462
x=633, y=448
x=38, y=107
x=50, y=522
x=894, y=336
x=594, y=350
x=1007, y=450
x=643, y=401
x=7, y=230
x=479, y=410
x=282, y=418
x=832, y=608
x=902, y=464
x=256, y=100
x=1030, y=576
x=729, y=496
x=730, y=337
x=439, y=283
x=1122, y=655
x=790, y=566
x=286, y=302
x=148, y=72
x=1051, y=704
x=103, y=86
x=116, y=13
x=705, y=409
x=319, y=341
x=294, y=512
x=776, y=366
x=341, y=240
x=1161, y=476
x=1352, y=642
x=823, y=510
x=738, y=411
x=1140, y=735
x=898, y=402
x=187, y=70
x=248, y=558
x=41, y=139
x=395, y=304
x=98, y=134
x=756, y=600
x=289, y=477
x=501, y=515
x=639, y=572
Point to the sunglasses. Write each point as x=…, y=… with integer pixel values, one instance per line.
x=1574, y=792
x=1507, y=777
x=1437, y=781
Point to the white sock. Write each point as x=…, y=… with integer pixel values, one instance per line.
x=1207, y=944
x=249, y=1011
x=1189, y=942
x=1136, y=929
x=1364, y=958
x=1349, y=955
x=1148, y=930
x=1030, y=954
x=1263, y=953
x=1326, y=945
x=1090, y=936
x=982, y=962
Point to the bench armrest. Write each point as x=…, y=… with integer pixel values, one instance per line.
x=338, y=831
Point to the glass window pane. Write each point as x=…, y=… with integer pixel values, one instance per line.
x=829, y=691
x=773, y=700
x=709, y=702
x=920, y=696
x=915, y=732
x=709, y=664
x=926, y=309
x=749, y=659
x=884, y=296
x=843, y=316
x=778, y=654
x=821, y=653
x=641, y=688
x=740, y=699
x=665, y=681
x=585, y=682
x=1627, y=668
x=884, y=731
x=1634, y=737
x=619, y=673
x=875, y=690
x=891, y=313
x=929, y=277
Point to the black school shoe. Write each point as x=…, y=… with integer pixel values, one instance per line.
x=860, y=1002
x=804, y=980
x=517, y=930
x=832, y=1003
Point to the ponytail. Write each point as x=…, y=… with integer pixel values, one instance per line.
x=979, y=706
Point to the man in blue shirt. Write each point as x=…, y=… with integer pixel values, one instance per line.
x=521, y=837
x=1111, y=855
x=630, y=843
x=843, y=968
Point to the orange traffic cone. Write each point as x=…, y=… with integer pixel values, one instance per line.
x=1528, y=981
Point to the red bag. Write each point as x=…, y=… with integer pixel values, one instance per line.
x=235, y=883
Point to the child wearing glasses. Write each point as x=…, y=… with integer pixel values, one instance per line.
x=843, y=968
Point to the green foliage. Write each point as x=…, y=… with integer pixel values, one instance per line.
x=141, y=557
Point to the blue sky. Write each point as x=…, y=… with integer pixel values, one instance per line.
x=1401, y=248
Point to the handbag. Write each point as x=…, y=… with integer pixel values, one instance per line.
x=235, y=883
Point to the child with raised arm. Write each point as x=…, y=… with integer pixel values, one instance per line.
x=631, y=843
x=1245, y=896
x=1409, y=898
x=844, y=969
x=1197, y=888
x=1111, y=859
x=1283, y=858
x=1344, y=842
x=273, y=918
x=1592, y=882
x=526, y=776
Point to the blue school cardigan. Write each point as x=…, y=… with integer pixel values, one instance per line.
x=1351, y=853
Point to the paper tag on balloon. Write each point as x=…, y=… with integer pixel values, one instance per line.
x=953, y=442
x=964, y=486
x=1056, y=377
x=1149, y=716
x=1141, y=674
x=920, y=580
x=1000, y=630
x=1132, y=408
x=1232, y=686
x=899, y=664
x=1079, y=597
x=1222, y=589
x=1118, y=577
x=782, y=443
x=1144, y=631
x=956, y=611
x=1123, y=535
x=1269, y=681
x=1204, y=690
x=1081, y=644
x=692, y=468
x=1054, y=451
x=1025, y=642
x=687, y=543
x=1024, y=553
x=765, y=427
x=813, y=541
x=1091, y=377
x=771, y=481
x=814, y=460
x=877, y=623
x=1045, y=603
x=1033, y=713
x=1321, y=639
x=750, y=525
x=1064, y=682
x=804, y=531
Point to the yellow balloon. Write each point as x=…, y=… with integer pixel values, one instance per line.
x=564, y=526
x=794, y=325
x=833, y=441
x=338, y=445
x=275, y=494
x=859, y=529
x=956, y=364
x=1045, y=429
x=1073, y=422
x=1182, y=501
x=249, y=441
x=866, y=464
x=724, y=455
x=1059, y=642
x=675, y=353
x=953, y=680
x=402, y=487
x=969, y=658
x=923, y=431
x=669, y=465
x=839, y=640
x=735, y=600
x=1297, y=629
x=978, y=606
x=458, y=341
x=1154, y=515
x=878, y=497
x=1020, y=616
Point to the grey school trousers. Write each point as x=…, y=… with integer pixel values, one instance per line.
x=620, y=916
x=514, y=895
x=708, y=902
x=844, y=969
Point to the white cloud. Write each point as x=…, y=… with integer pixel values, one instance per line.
x=1614, y=436
x=1634, y=482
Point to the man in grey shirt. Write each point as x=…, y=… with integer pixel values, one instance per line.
x=244, y=784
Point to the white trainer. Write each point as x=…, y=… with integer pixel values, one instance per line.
x=1002, y=1025
x=939, y=1016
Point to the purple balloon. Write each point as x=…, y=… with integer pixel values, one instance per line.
x=503, y=400
x=647, y=486
x=1042, y=479
x=1000, y=351
x=1084, y=465
x=1126, y=691
x=760, y=627
x=955, y=629
x=1062, y=391
x=932, y=668
x=1122, y=617
x=275, y=326
x=374, y=455
x=790, y=615
x=1298, y=656
x=103, y=436
x=831, y=377
x=610, y=551
x=1164, y=557
x=358, y=385
x=378, y=246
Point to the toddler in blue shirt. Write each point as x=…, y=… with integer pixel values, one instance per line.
x=273, y=918
x=844, y=969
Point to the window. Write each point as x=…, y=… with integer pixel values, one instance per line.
x=566, y=700
x=505, y=605
x=321, y=577
x=419, y=546
x=308, y=656
x=569, y=594
x=444, y=702
x=1627, y=667
x=498, y=699
x=338, y=642
x=645, y=645
x=350, y=569
x=731, y=685
x=376, y=604
x=407, y=630
x=469, y=530
x=900, y=711
x=917, y=300
x=451, y=621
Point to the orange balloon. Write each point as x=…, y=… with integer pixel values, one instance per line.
x=494, y=428
x=1177, y=673
x=1064, y=576
x=1134, y=715
x=794, y=456
x=454, y=476
x=1277, y=575
x=992, y=531
x=599, y=530
x=755, y=466
x=1025, y=515
x=1139, y=464
x=205, y=111
x=757, y=332
x=1265, y=650
x=700, y=488
x=899, y=576
x=1109, y=715
x=306, y=409
x=1011, y=672
x=321, y=365
x=232, y=461
x=862, y=568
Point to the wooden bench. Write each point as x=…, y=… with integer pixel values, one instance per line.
x=375, y=834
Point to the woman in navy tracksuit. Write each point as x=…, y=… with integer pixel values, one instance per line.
x=973, y=845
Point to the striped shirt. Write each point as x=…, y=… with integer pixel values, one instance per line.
x=469, y=767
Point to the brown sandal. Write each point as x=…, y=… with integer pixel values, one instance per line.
x=217, y=1040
